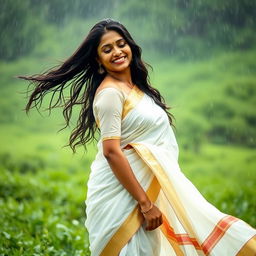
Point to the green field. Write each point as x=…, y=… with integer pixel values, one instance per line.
x=43, y=186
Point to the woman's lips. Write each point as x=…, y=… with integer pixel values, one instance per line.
x=119, y=60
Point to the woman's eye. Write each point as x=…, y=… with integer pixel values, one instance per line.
x=122, y=45
x=107, y=51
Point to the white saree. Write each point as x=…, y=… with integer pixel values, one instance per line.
x=191, y=226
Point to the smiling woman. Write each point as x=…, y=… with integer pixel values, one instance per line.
x=114, y=53
x=114, y=56
x=138, y=202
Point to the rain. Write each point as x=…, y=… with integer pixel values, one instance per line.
x=203, y=57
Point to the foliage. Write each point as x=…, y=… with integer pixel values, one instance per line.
x=212, y=99
x=42, y=193
x=37, y=216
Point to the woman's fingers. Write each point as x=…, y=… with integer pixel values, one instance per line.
x=152, y=226
x=149, y=225
x=154, y=223
x=153, y=218
x=159, y=221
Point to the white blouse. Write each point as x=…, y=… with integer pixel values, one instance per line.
x=107, y=110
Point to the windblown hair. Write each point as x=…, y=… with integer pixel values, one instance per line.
x=82, y=70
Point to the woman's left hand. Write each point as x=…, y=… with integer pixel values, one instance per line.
x=153, y=218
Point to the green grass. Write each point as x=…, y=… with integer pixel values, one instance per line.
x=43, y=186
x=42, y=189
x=42, y=213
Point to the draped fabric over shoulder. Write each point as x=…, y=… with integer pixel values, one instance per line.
x=191, y=225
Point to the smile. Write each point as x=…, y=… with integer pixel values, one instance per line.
x=119, y=60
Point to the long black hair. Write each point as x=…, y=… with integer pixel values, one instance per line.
x=82, y=70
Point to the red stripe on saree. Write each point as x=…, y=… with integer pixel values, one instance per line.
x=217, y=233
x=181, y=239
x=184, y=239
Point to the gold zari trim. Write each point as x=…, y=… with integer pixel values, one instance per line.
x=249, y=249
x=166, y=185
x=132, y=100
x=111, y=138
x=135, y=219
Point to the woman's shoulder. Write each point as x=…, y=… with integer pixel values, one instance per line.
x=109, y=86
x=108, y=90
x=108, y=95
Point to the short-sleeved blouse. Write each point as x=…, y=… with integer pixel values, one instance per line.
x=107, y=110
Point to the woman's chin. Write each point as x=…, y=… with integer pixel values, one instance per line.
x=120, y=69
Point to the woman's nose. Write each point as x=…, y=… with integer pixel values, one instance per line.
x=117, y=52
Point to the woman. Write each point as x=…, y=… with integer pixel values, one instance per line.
x=138, y=201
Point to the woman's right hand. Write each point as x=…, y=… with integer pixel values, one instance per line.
x=153, y=218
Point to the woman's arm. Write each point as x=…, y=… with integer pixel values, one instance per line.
x=108, y=109
x=122, y=170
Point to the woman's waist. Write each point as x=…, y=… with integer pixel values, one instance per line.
x=100, y=167
x=127, y=146
x=127, y=149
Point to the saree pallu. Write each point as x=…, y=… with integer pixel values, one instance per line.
x=191, y=225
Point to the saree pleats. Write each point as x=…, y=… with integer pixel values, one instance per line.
x=107, y=201
x=191, y=225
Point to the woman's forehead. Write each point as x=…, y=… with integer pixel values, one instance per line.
x=110, y=37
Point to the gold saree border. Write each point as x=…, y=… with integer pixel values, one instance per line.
x=132, y=100
x=166, y=185
x=170, y=193
x=220, y=228
x=130, y=225
x=249, y=249
x=135, y=218
x=111, y=138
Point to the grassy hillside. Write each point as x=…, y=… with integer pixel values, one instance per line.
x=43, y=187
x=213, y=99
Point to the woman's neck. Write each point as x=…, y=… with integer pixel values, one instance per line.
x=124, y=76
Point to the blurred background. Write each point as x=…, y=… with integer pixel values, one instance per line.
x=203, y=57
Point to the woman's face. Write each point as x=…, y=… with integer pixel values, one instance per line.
x=114, y=53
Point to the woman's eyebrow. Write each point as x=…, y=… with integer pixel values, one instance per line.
x=105, y=45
